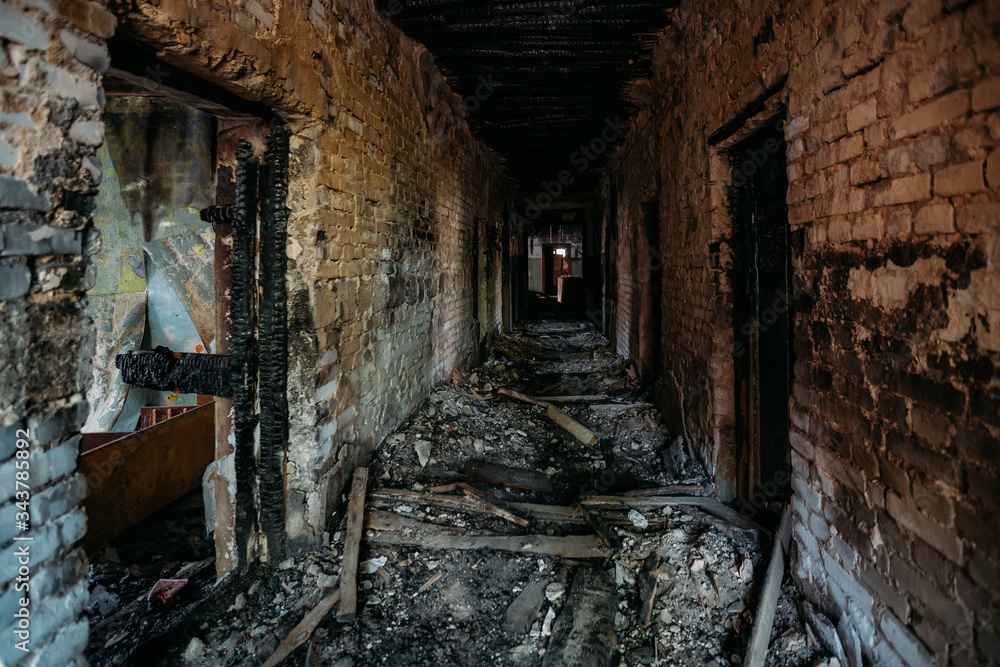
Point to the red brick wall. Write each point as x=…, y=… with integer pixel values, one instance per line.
x=892, y=129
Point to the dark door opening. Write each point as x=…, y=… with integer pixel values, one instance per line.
x=650, y=282
x=761, y=314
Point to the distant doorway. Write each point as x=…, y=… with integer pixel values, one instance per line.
x=556, y=261
x=761, y=313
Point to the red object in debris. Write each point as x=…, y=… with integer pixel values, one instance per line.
x=165, y=589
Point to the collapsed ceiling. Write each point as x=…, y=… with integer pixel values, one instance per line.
x=541, y=79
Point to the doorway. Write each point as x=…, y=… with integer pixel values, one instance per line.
x=556, y=262
x=762, y=313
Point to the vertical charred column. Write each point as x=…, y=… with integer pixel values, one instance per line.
x=273, y=339
x=243, y=350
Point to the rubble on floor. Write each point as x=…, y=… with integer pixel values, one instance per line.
x=123, y=609
x=679, y=577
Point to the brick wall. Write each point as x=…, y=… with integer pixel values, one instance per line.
x=891, y=114
x=51, y=55
x=391, y=200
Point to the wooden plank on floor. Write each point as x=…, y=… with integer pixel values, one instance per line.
x=649, y=582
x=672, y=490
x=573, y=427
x=494, y=473
x=760, y=636
x=495, y=508
x=133, y=477
x=536, y=511
x=591, y=398
x=516, y=395
x=707, y=504
x=353, y=532
x=301, y=632
x=402, y=531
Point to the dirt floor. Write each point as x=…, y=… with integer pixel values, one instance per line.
x=423, y=606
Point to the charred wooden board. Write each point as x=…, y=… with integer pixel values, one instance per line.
x=354, y=531
x=584, y=631
x=165, y=370
x=518, y=478
x=397, y=530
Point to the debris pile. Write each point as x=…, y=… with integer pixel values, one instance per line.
x=530, y=513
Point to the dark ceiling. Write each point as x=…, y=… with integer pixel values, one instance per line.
x=560, y=67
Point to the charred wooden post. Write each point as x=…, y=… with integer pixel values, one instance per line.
x=165, y=370
x=243, y=348
x=273, y=338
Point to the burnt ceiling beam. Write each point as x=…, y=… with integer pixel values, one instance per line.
x=561, y=69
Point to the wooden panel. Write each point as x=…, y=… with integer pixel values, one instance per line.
x=133, y=477
x=91, y=441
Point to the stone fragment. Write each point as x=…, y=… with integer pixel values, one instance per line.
x=638, y=520
x=523, y=611
x=423, y=450
x=92, y=55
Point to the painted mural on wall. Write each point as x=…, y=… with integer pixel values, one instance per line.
x=155, y=274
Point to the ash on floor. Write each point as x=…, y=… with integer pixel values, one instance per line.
x=421, y=606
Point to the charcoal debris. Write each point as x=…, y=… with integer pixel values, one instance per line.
x=680, y=582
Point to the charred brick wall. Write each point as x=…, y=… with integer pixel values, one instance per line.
x=391, y=200
x=51, y=57
x=890, y=112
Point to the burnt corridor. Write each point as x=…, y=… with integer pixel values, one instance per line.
x=564, y=333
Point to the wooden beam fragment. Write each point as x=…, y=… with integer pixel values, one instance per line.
x=510, y=393
x=518, y=478
x=619, y=407
x=649, y=581
x=602, y=529
x=673, y=489
x=353, y=532
x=584, y=632
x=760, y=636
x=706, y=504
x=301, y=632
x=575, y=428
x=402, y=531
x=592, y=398
x=536, y=511
x=495, y=508
x=430, y=582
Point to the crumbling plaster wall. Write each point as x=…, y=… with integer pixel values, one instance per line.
x=386, y=185
x=51, y=56
x=892, y=128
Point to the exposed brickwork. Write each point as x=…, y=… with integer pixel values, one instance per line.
x=51, y=55
x=389, y=194
x=891, y=125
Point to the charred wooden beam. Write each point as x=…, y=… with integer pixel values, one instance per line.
x=273, y=333
x=165, y=370
x=243, y=346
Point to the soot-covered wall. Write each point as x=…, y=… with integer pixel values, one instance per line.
x=891, y=118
